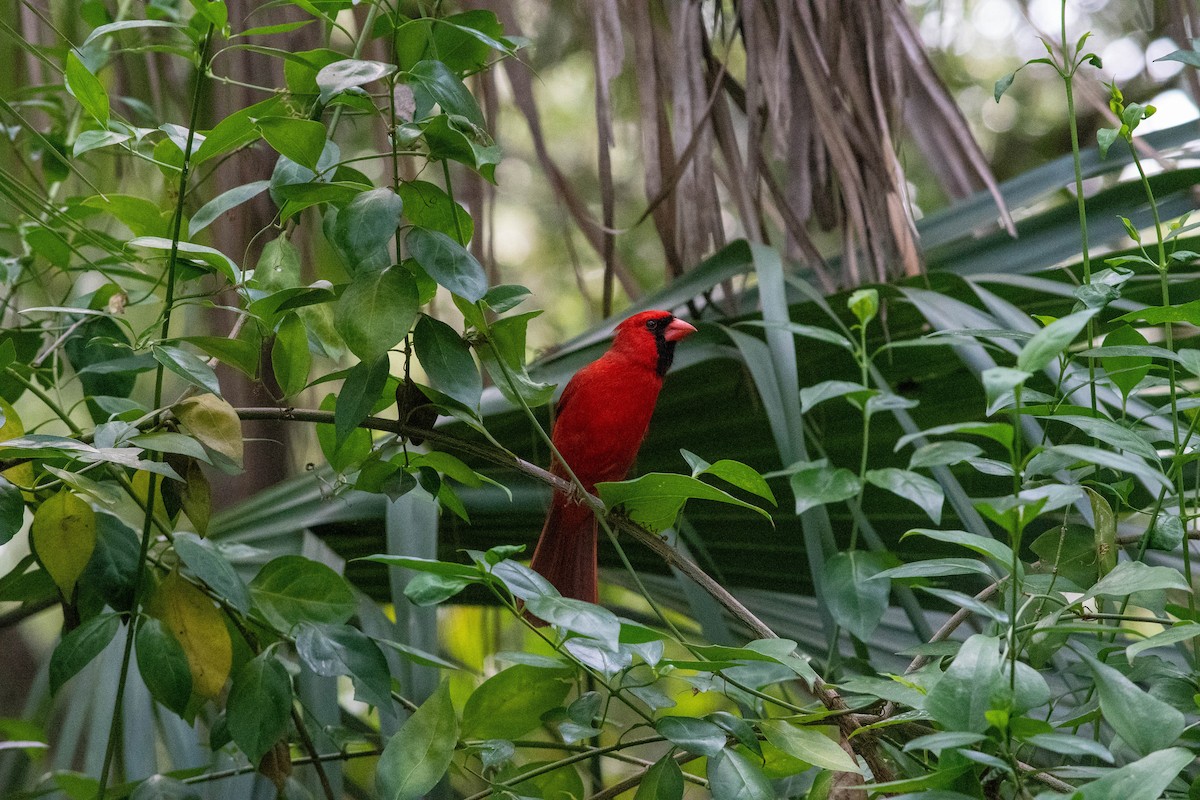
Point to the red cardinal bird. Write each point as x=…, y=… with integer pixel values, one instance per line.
x=601, y=420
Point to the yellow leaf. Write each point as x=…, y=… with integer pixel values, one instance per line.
x=63, y=536
x=141, y=488
x=197, y=625
x=22, y=474
x=214, y=422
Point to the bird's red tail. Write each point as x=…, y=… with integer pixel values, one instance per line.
x=566, y=552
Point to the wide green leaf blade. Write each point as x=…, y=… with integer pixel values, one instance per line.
x=447, y=360
x=418, y=755
x=733, y=776
x=376, y=311
x=962, y=697
x=511, y=703
x=80, y=646
x=259, y=708
x=1052, y=340
x=856, y=602
x=654, y=500
x=808, y=744
x=163, y=665
x=448, y=263
x=289, y=590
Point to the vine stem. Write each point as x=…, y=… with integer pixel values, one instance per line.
x=148, y=525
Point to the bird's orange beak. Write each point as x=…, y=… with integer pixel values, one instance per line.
x=677, y=330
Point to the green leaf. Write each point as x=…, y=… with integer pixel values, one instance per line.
x=289, y=590
x=236, y=130
x=511, y=703
x=432, y=82
x=973, y=685
x=163, y=665
x=360, y=392
x=1143, y=722
x=300, y=140
x=1110, y=433
x=1000, y=432
x=522, y=582
x=937, y=742
x=80, y=646
x=1157, y=315
x=984, y=545
x=733, y=776
x=818, y=484
x=1180, y=632
x=457, y=139
x=1003, y=84
x=242, y=354
x=694, y=735
x=290, y=356
x=418, y=755
x=1126, y=372
x=376, y=311
x=577, y=616
x=1068, y=745
x=95, y=140
x=1129, y=577
x=654, y=500
x=113, y=27
x=432, y=566
x=426, y=205
x=224, y=202
x=259, y=709
x=208, y=564
x=1116, y=461
x=447, y=360
x=12, y=512
x=864, y=304
x=856, y=602
x=427, y=589
x=448, y=263
x=811, y=396
x=335, y=78
x=330, y=650
x=86, y=88
x=937, y=454
x=1106, y=138
x=191, y=368
x=1146, y=779
x=663, y=781
x=278, y=265
x=366, y=226
x=924, y=492
x=193, y=252
x=999, y=385
x=1052, y=340
x=808, y=744
x=740, y=475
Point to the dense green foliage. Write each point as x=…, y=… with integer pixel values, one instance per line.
x=1049, y=502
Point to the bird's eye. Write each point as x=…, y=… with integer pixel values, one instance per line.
x=655, y=324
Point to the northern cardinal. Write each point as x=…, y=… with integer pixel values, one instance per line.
x=600, y=422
